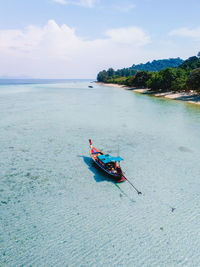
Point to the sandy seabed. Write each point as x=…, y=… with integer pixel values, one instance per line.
x=57, y=209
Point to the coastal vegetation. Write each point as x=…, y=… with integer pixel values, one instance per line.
x=177, y=75
x=155, y=65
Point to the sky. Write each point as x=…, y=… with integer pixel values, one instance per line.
x=78, y=38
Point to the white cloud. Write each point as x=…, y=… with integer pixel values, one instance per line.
x=63, y=2
x=125, y=8
x=57, y=51
x=84, y=3
x=186, y=32
x=129, y=35
x=34, y=41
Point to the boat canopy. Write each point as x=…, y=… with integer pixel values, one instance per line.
x=94, y=151
x=107, y=158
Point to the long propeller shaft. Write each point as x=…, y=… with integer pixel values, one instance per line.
x=139, y=193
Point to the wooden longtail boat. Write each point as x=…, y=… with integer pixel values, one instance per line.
x=110, y=165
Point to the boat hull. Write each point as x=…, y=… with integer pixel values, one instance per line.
x=114, y=177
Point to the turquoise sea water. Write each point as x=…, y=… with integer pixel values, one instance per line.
x=57, y=209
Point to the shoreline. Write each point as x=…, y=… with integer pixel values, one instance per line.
x=115, y=85
x=188, y=97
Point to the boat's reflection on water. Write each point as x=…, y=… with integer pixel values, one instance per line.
x=99, y=176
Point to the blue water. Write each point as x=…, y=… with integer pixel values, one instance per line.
x=57, y=209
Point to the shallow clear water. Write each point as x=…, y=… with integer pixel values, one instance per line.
x=57, y=209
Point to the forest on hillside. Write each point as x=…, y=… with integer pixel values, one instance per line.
x=182, y=76
x=155, y=65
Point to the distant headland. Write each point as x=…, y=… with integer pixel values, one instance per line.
x=173, y=78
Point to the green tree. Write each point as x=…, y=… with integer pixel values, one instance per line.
x=193, y=81
x=179, y=83
x=168, y=76
x=130, y=81
x=141, y=78
x=110, y=73
x=190, y=64
x=102, y=76
x=155, y=82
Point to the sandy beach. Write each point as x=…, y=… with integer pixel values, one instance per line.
x=189, y=97
x=115, y=85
